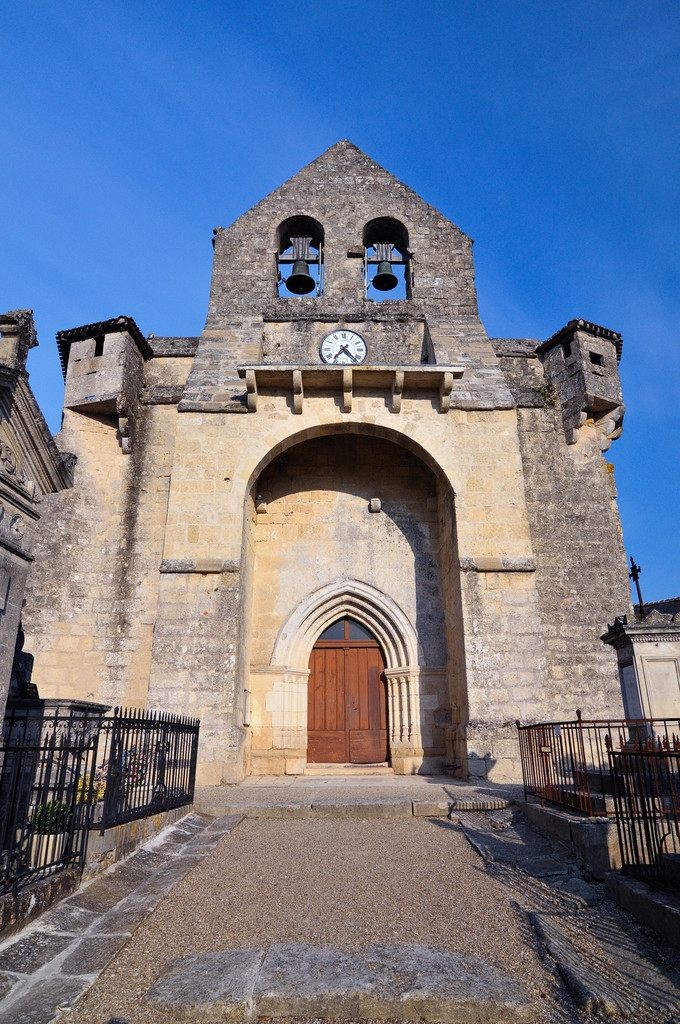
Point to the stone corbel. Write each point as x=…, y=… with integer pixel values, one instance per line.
x=298, y=393
x=347, y=386
x=126, y=420
x=445, y=389
x=397, y=389
x=251, y=390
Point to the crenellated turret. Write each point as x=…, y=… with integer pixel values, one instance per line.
x=103, y=366
x=581, y=363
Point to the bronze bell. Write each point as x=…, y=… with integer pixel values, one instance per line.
x=300, y=281
x=385, y=280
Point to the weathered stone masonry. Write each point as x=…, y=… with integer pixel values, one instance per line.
x=235, y=495
x=31, y=466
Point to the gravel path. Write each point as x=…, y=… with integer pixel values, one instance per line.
x=346, y=883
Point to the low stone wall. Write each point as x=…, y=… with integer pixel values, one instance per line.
x=116, y=843
x=102, y=851
x=593, y=840
x=17, y=910
x=657, y=910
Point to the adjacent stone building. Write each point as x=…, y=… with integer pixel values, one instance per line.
x=648, y=653
x=31, y=466
x=343, y=524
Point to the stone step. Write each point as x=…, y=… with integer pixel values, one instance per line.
x=400, y=982
x=347, y=770
x=351, y=807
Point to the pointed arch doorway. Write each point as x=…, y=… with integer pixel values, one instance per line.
x=346, y=697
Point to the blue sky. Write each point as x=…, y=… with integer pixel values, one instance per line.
x=548, y=131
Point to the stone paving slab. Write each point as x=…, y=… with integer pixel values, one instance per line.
x=41, y=1003
x=295, y=796
x=607, y=971
x=392, y=981
x=503, y=839
x=197, y=987
x=59, y=956
x=91, y=955
x=32, y=952
x=591, y=990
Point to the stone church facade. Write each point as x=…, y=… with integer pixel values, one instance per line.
x=339, y=526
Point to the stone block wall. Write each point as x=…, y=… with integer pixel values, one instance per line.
x=92, y=609
x=177, y=571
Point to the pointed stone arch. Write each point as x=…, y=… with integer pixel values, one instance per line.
x=372, y=607
x=288, y=671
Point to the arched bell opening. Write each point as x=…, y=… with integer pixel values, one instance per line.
x=300, y=257
x=386, y=261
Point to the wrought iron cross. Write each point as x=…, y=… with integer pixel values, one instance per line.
x=634, y=575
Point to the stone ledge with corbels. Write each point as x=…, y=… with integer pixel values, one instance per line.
x=415, y=380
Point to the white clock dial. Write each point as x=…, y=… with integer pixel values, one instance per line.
x=343, y=347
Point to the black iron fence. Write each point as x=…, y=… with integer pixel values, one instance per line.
x=66, y=768
x=566, y=763
x=48, y=750
x=646, y=790
x=146, y=763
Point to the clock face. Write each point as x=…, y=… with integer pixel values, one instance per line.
x=343, y=347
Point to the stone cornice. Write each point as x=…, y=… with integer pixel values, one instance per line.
x=344, y=378
x=623, y=634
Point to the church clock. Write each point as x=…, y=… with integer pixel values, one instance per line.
x=343, y=347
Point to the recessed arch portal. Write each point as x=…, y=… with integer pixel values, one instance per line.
x=323, y=550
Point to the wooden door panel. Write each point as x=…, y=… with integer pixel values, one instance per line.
x=376, y=698
x=335, y=690
x=327, y=747
x=367, y=746
x=347, y=704
x=316, y=699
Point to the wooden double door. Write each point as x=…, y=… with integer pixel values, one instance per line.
x=347, y=697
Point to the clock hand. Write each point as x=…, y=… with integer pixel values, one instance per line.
x=347, y=352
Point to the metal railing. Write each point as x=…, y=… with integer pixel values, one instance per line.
x=48, y=751
x=566, y=763
x=146, y=763
x=65, y=769
x=646, y=786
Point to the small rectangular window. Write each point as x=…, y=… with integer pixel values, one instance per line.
x=98, y=345
x=596, y=359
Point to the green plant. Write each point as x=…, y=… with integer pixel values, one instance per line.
x=548, y=392
x=52, y=817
